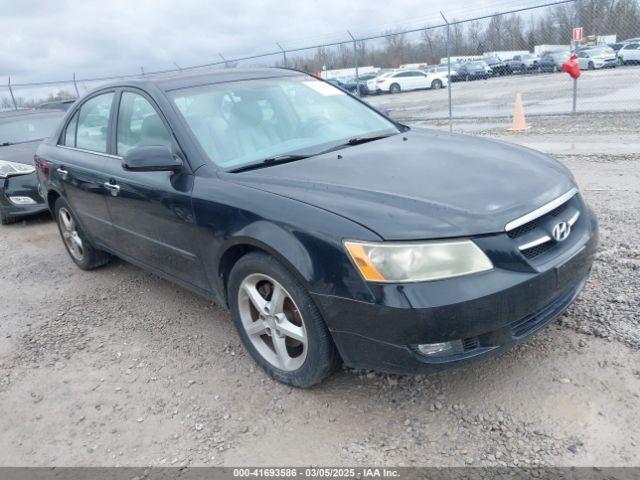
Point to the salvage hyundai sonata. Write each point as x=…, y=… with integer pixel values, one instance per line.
x=334, y=234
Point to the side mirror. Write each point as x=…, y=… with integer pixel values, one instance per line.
x=151, y=159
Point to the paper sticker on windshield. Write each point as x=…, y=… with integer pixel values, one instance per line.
x=322, y=88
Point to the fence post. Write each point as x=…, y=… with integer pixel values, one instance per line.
x=355, y=62
x=448, y=69
x=13, y=99
x=75, y=85
x=284, y=54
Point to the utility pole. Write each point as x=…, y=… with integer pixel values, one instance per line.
x=13, y=99
x=284, y=54
x=355, y=61
x=75, y=85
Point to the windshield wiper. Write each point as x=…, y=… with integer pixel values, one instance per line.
x=5, y=144
x=267, y=162
x=359, y=140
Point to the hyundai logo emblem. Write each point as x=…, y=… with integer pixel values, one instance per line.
x=561, y=231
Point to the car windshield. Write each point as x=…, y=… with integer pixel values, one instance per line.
x=244, y=122
x=599, y=51
x=27, y=128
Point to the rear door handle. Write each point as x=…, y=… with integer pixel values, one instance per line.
x=62, y=172
x=113, y=187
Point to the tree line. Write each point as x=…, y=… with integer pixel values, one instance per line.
x=509, y=32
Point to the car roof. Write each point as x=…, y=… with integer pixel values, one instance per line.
x=185, y=79
x=11, y=114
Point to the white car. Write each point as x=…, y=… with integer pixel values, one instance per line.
x=404, y=80
x=597, y=57
x=441, y=72
x=630, y=53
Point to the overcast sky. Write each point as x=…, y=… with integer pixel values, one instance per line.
x=48, y=39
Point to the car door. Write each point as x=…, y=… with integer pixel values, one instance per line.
x=583, y=60
x=400, y=79
x=78, y=161
x=421, y=80
x=151, y=211
x=632, y=53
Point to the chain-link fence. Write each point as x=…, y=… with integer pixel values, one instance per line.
x=474, y=67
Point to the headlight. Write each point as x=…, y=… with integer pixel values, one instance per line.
x=8, y=169
x=417, y=262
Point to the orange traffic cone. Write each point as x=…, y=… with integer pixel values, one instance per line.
x=519, y=123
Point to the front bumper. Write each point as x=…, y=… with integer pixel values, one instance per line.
x=488, y=312
x=20, y=186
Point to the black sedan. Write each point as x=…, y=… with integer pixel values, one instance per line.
x=474, y=71
x=333, y=233
x=20, y=133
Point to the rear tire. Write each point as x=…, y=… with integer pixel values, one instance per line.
x=394, y=88
x=591, y=66
x=287, y=337
x=78, y=245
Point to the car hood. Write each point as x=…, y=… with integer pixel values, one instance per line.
x=421, y=184
x=20, y=152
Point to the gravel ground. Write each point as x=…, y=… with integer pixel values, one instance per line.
x=119, y=367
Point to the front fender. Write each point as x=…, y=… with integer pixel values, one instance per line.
x=305, y=239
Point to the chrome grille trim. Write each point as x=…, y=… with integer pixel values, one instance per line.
x=541, y=211
x=535, y=243
x=574, y=219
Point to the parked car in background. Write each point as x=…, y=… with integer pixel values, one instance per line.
x=474, y=70
x=405, y=80
x=498, y=67
x=597, y=57
x=63, y=105
x=552, y=61
x=20, y=134
x=616, y=46
x=337, y=83
x=524, y=63
x=351, y=85
x=629, y=53
x=442, y=72
x=333, y=234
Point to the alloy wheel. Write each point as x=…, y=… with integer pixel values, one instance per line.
x=273, y=322
x=70, y=234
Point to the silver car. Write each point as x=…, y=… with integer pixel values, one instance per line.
x=597, y=57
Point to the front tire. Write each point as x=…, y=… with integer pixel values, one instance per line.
x=591, y=66
x=278, y=322
x=436, y=84
x=78, y=245
x=394, y=88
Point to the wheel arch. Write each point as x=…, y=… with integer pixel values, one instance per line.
x=52, y=197
x=282, y=246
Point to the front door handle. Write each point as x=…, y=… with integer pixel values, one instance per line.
x=113, y=187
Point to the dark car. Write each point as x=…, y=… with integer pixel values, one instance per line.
x=552, y=61
x=332, y=233
x=20, y=133
x=498, y=67
x=352, y=84
x=63, y=105
x=474, y=71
